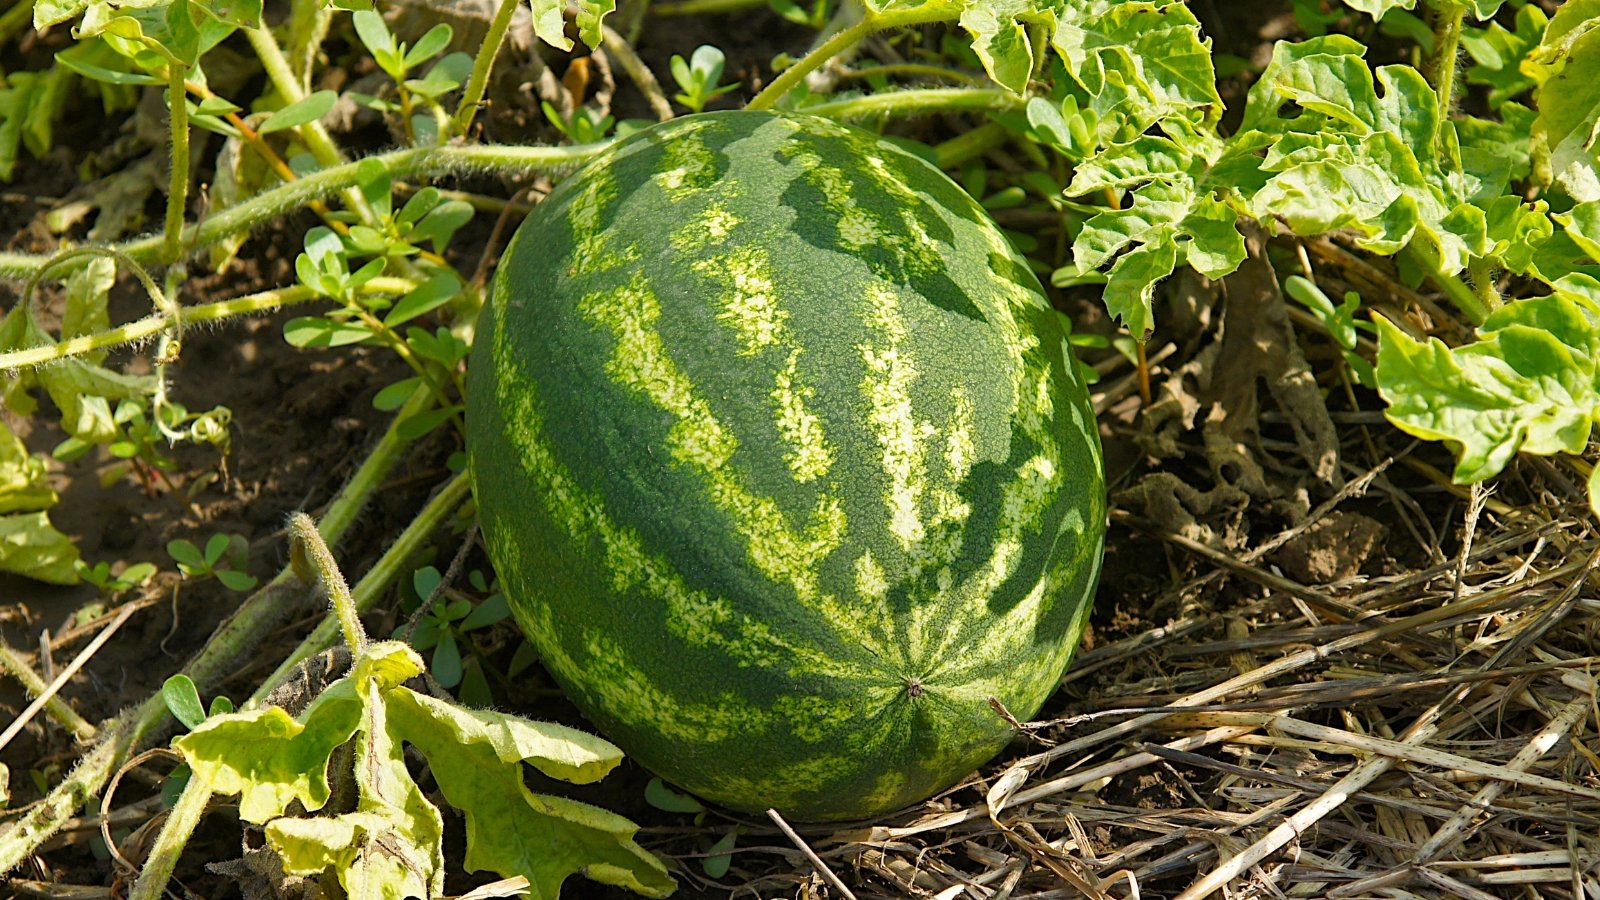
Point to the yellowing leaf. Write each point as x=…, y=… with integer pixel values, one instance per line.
x=511, y=830
x=270, y=759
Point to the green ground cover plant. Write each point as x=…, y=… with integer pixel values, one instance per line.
x=1123, y=143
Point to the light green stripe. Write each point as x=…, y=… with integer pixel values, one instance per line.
x=901, y=437
x=688, y=165
x=641, y=363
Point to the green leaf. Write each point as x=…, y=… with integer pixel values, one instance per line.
x=307, y=109
x=428, y=46
x=271, y=759
x=183, y=700
x=1001, y=41
x=186, y=553
x=442, y=222
x=100, y=73
x=395, y=395
x=1142, y=64
x=239, y=13
x=315, y=331
x=476, y=757
x=445, y=666
x=51, y=12
x=414, y=426
x=591, y=14
x=424, y=298
x=550, y=23
x=1497, y=54
x=657, y=794
x=372, y=176
x=425, y=581
x=1566, y=66
x=1377, y=8
x=720, y=857
x=390, y=846
x=30, y=546
x=1528, y=383
x=1381, y=164
x=492, y=610
x=1168, y=223
x=236, y=581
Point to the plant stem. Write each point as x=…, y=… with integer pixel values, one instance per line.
x=1453, y=287
x=706, y=7
x=415, y=162
x=182, y=820
x=1448, y=18
x=308, y=542
x=618, y=46
x=1483, y=283
x=478, y=83
x=379, y=578
x=970, y=144
x=133, y=332
x=921, y=101
x=772, y=93
x=12, y=662
x=914, y=70
x=178, y=189
x=282, y=76
x=237, y=636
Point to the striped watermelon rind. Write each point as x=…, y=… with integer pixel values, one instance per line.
x=784, y=463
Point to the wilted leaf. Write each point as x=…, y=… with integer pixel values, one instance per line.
x=476, y=757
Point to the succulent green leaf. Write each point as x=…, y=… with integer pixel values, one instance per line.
x=1528, y=383
x=657, y=794
x=307, y=109
x=183, y=700
x=476, y=756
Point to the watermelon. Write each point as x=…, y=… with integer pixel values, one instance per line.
x=784, y=463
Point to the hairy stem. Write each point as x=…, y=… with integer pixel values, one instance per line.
x=235, y=638
x=149, y=326
x=379, y=578
x=309, y=545
x=919, y=101
x=970, y=144
x=415, y=163
x=56, y=708
x=1453, y=287
x=181, y=822
x=1448, y=18
x=178, y=187
x=772, y=93
x=1483, y=283
x=282, y=76
x=472, y=97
